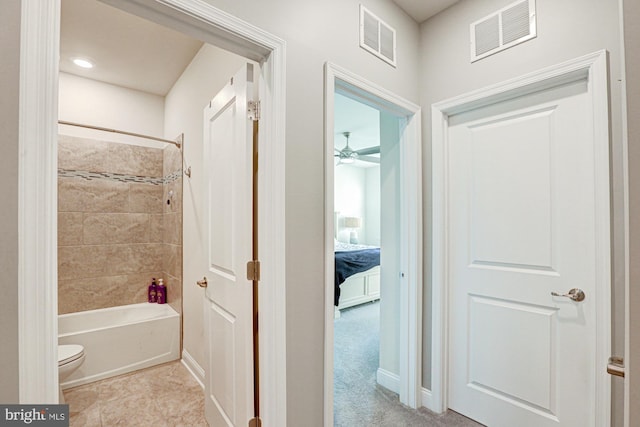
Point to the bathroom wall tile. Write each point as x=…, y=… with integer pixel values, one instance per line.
x=172, y=160
x=136, y=287
x=87, y=294
x=69, y=228
x=174, y=291
x=80, y=195
x=146, y=198
x=172, y=260
x=173, y=191
x=100, y=229
x=172, y=228
x=76, y=295
x=135, y=258
x=134, y=160
x=82, y=154
x=156, y=228
x=77, y=262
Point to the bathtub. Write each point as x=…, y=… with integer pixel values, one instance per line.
x=121, y=339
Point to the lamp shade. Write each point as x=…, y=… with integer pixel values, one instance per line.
x=352, y=222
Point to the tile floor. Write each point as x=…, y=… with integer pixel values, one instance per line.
x=164, y=396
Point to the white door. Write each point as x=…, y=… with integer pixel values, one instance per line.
x=522, y=225
x=228, y=165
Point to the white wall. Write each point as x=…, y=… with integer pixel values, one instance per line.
x=9, y=106
x=349, y=199
x=357, y=193
x=566, y=29
x=316, y=32
x=91, y=102
x=372, y=205
x=209, y=71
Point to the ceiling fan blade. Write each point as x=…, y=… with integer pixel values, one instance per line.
x=369, y=159
x=367, y=151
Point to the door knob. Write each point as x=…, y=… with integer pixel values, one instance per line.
x=202, y=283
x=574, y=294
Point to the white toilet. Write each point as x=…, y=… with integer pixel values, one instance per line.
x=70, y=358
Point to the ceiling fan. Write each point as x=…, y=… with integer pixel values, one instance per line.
x=348, y=155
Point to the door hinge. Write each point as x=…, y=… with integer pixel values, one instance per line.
x=616, y=366
x=253, y=270
x=255, y=422
x=253, y=110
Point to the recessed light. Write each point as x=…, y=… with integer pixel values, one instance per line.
x=84, y=63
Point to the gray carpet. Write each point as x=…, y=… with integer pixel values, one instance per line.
x=358, y=399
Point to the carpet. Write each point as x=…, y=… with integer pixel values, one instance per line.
x=358, y=399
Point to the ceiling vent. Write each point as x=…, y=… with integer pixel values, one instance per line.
x=377, y=37
x=507, y=27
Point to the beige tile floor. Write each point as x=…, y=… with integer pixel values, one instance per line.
x=164, y=396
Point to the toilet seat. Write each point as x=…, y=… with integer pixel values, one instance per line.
x=69, y=353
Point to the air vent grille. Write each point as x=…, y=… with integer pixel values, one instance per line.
x=487, y=34
x=377, y=37
x=507, y=27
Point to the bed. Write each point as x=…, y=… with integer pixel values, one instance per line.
x=357, y=275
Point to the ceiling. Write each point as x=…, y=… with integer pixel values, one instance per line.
x=138, y=54
x=421, y=10
x=134, y=53
x=363, y=123
x=127, y=51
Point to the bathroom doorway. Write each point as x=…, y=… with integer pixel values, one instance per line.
x=261, y=46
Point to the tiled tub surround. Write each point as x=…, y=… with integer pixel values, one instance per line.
x=114, y=232
x=172, y=225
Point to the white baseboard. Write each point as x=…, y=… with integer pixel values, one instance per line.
x=193, y=367
x=388, y=380
x=427, y=400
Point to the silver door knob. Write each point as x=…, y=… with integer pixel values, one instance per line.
x=202, y=283
x=574, y=294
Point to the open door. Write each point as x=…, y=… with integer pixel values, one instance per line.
x=230, y=348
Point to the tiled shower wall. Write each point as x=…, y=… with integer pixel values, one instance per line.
x=172, y=225
x=114, y=231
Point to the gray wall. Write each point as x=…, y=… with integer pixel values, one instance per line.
x=9, y=103
x=566, y=29
x=632, y=59
x=318, y=31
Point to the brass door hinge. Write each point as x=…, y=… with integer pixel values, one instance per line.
x=253, y=110
x=616, y=366
x=253, y=270
x=255, y=422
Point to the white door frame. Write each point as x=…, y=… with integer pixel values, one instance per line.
x=37, y=283
x=593, y=68
x=356, y=87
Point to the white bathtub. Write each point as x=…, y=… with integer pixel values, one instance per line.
x=121, y=339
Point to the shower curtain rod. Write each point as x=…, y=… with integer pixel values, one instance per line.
x=176, y=143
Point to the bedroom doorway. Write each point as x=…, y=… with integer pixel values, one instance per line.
x=373, y=245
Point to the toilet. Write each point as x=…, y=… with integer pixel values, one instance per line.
x=70, y=358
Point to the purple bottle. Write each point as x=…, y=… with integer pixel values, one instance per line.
x=162, y=292
x=153, y=291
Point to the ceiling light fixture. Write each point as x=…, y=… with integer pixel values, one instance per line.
x=83, y=63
